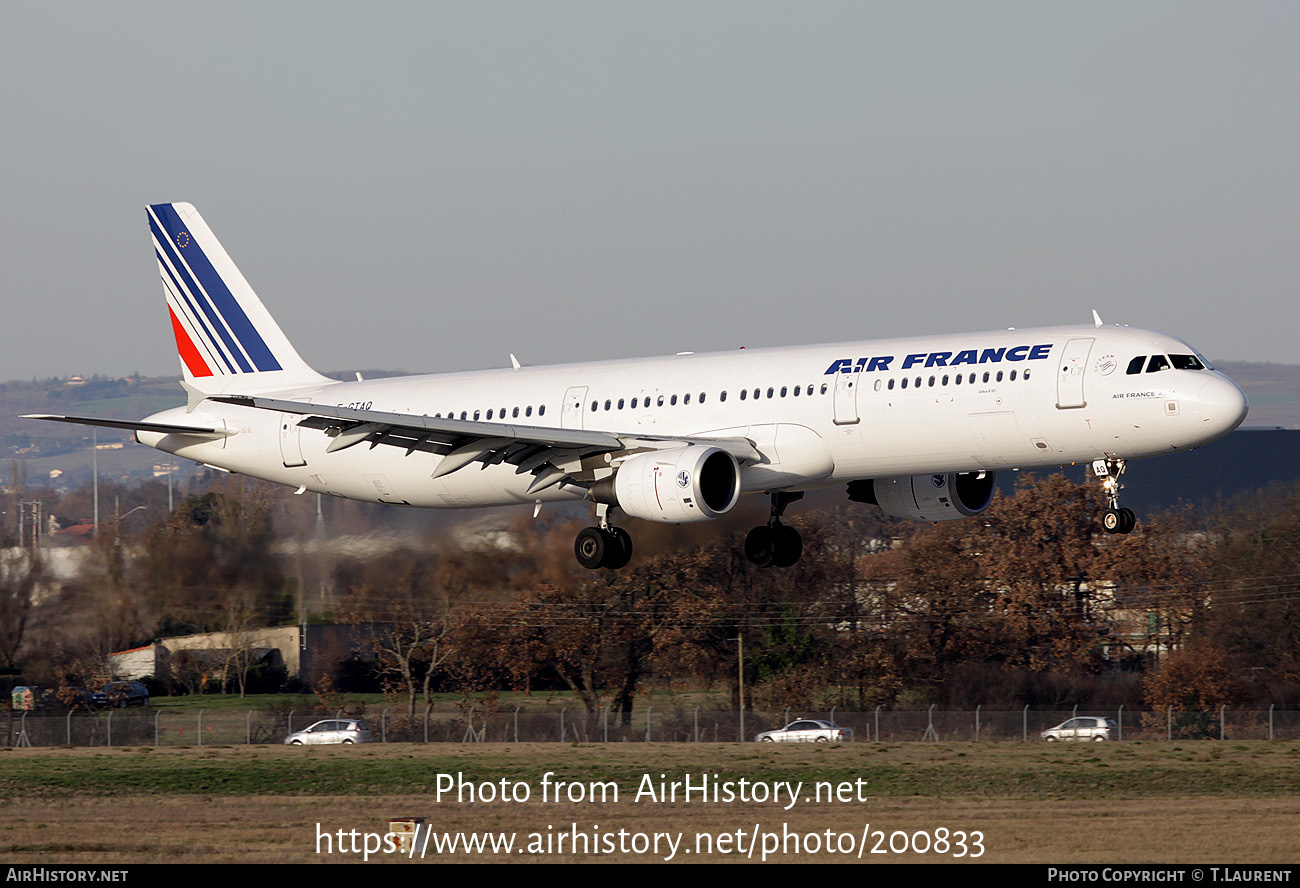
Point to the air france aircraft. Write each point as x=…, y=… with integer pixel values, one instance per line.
x=916, y=426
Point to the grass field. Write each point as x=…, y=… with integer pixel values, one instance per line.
x=1093, y=803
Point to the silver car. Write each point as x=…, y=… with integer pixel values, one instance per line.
x=807, y=730
x=1085, y=727
x=332, y=730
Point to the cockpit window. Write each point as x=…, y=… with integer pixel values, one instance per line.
x=1157, y=362
x=1135, y=365
x=1186, y=362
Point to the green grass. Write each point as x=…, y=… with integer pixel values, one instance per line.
x=911, y=770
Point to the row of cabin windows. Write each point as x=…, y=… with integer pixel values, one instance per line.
x=1160, y=362
x=772, y=392
x=495, y=414
x=673, y=400
x=956, y=379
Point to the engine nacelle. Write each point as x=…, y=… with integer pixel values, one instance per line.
x=928, y=497
x=693, y=483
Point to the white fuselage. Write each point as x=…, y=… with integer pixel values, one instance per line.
x=819, y=415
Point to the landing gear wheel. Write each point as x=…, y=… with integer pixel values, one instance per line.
x=618, y=548
x=789, y=546
x=608, y=547
x=590, y=547
x=1119, y=520
x=1130, y=521
x=774, y=544
x=760, y=546
x=1112, y=520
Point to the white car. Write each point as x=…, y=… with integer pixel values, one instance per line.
x=807, y=730
x=332, y=730
x=1085, y=727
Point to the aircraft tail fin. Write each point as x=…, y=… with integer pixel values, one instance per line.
x=226, y=339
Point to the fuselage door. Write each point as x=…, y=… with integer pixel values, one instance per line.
x=846, y=398
x=291, y=441
x=571, y=415
x=1069, y=378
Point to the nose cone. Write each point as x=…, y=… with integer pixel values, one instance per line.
x=1223, y=406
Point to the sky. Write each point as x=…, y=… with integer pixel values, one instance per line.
x=433, y=186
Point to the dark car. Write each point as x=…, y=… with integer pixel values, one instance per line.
x=120, y=694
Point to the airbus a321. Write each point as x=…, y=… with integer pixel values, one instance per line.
x=916, y=426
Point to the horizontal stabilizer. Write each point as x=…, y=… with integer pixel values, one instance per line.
x=135, y=425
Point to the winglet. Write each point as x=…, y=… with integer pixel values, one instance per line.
x=1096, y=318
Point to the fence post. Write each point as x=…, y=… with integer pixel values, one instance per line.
x=562, y=711
x=110, y=729
x=69, y=732
x=383, y=726
x=157, y=714
x=1025, y=725
x=248, y=728
x=648, y=710
x=200, y=727
x=516, y=722
x=877, y=724
x=1169, y=722
x=1222, y=733
x=604, y=721
x=977, y=721
x=1121, y=721
x=291, y=712
x=697, y=724
x=1270, y=720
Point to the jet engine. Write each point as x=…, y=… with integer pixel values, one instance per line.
x=692, y=483
x=928, y=497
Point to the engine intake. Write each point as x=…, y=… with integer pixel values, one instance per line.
x=685, y=484
x=928, y=497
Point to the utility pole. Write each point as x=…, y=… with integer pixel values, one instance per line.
x=740, y=655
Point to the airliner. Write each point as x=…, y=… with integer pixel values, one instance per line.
x=917, y=426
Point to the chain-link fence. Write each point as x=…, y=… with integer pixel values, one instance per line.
x=158, y=726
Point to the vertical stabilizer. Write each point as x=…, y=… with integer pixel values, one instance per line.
x=226, y=339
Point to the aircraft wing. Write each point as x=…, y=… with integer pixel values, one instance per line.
x=134, y=425
x=552, y=455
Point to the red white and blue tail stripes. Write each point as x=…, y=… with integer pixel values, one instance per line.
x=221, y=327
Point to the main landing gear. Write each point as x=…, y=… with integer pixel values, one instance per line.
x=1114, y=519
x=775, y=544
x=605, y=546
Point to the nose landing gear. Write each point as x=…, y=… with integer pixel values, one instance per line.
x=1114, y=519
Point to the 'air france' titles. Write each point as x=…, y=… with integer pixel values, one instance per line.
x=943, y=359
